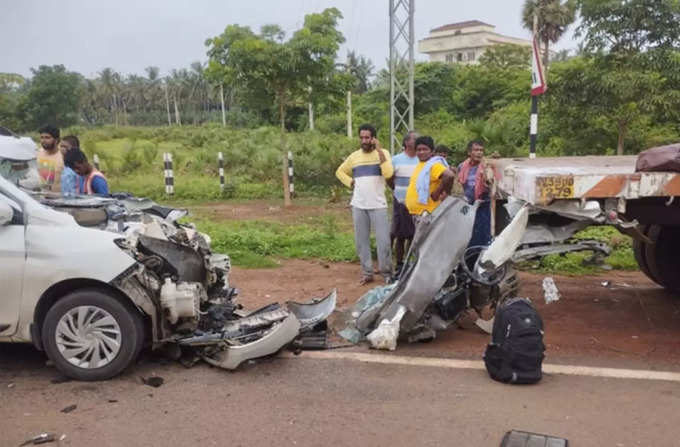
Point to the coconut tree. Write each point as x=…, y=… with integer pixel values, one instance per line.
x=109, y=81
x=200, y=90
x=361, y=68
x=179, y=84
x=554, y=16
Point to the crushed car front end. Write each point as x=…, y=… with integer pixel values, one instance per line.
x=183, y=287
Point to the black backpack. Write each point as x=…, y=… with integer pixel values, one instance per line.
x=516, y=351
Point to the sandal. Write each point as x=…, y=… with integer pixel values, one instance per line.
x=365, y=280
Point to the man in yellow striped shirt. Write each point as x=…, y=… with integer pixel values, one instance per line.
x=366, y=170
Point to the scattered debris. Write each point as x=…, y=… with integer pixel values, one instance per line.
x=606, y=284
x=11, y=385
x=370, y=300
x=113, y=401
x=517, y=438
x=550, y=290
x=69, y=409
x=60, y=379
x=42, y=438
x=189, y=358
x=485, y=325
x=443, y=279
x=315, y=337
x=385, y=335
x=153, y=381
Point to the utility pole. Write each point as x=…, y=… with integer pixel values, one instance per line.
x=348, y=105
x=310, y=109
x=224, y=116
x=349, y=113
x=402, y=37
x=167, y=102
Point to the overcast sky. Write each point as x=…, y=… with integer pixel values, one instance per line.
x=129, y=35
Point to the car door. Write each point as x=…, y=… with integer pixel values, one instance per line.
x=12, y=263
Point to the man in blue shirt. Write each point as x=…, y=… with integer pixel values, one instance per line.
x=90, y=180
x=69, y=179
x=402, y=224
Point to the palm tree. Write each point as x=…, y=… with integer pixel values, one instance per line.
x=554, y=16
x=110, y=83
x=361, y=68
x=153, y=95
x=200, y=89
x=562, y=55
x=179, y=82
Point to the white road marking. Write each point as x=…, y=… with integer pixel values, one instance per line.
x=614, y=373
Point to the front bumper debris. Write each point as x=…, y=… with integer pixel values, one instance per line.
x=276, y=338
x=261, y=333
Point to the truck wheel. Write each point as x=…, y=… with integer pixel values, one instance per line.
x=662, y=257
x=640, y=253
x=91, y=334
x=650, y=254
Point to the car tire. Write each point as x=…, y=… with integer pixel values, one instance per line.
x=91, y=334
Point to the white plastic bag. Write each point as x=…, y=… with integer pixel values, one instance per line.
x=385, y=335
x=550, y=290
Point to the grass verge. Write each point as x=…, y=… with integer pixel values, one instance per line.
x=576, y=264
x=258, y=244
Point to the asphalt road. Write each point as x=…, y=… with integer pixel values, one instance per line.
x=326, y=402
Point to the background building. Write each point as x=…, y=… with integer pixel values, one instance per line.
x=464, y=42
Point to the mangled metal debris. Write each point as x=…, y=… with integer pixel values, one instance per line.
x=444, y=279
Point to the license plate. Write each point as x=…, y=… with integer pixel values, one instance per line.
x=561, y=187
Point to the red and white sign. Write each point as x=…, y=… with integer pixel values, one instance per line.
x=538, y=85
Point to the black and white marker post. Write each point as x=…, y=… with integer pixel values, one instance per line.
x=291, y=187
x=169, y=178
x=220, y=161
x=533, y=127
x=538, y=87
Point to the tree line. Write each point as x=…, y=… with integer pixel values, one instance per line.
x=618, y=92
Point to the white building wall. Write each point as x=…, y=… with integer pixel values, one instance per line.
x=464, y=45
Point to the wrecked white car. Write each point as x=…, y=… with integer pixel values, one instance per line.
x=91, y=281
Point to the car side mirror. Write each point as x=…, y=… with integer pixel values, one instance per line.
x=6, y=213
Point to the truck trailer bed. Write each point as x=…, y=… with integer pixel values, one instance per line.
x=539, y=181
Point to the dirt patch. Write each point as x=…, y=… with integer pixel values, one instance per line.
x=272, y=210
x=299, y=280
x=632, y=322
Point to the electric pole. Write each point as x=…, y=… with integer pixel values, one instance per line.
x=402, y=37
